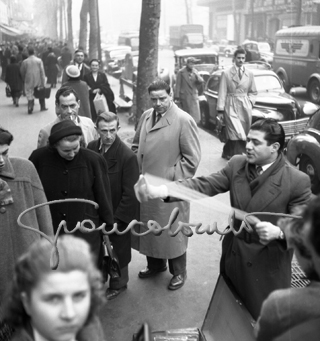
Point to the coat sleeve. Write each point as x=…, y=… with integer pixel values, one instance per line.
x=42, y=74
x=177, y=86
x=190, y=150
x=252, y=91
x=102, y=193
x=23, y=70
x=43, y=213
x=223, y=89
x=301, y=192
x=128, y=206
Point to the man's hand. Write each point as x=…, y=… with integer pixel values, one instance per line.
x=144, y=191
x=267, y=232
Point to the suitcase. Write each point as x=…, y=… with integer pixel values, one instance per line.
x=227, y=319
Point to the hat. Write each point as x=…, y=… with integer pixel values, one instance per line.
x=192, y=60
x=63, y=129
x=72, y=71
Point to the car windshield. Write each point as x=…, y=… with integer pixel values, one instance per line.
x=265, y=83
x=265, y=47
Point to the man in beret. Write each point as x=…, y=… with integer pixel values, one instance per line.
x=69, y=171
x=67, y=108
x=186, y=91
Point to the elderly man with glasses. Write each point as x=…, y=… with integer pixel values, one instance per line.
x=67, y=108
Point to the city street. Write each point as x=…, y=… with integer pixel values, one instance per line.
x=146, y=300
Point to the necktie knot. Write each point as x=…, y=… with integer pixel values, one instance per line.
x=259, y=170
x=157, y=117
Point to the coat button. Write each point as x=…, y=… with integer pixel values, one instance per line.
x=65, y=172
x=64, y=192
x=233, y=252
x=3, y=210
x=249, y=264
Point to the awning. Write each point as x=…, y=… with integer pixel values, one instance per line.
x=10, y=31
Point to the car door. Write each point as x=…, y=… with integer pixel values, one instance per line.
x=211, y=94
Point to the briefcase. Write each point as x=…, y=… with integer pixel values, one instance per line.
x=42, y=92
x=227, y=319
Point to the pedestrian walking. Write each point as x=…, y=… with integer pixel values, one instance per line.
x=186, y=89
x=168, y=148
x=123, y=172
x=32, y=73
x=80, y=87
x=237, y=91
x=14, y=80
x=52, y=68
x=67, y=108
x=262, y=181
x=98, y=84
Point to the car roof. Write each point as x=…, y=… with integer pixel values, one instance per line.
x=195, y=52
x=255, y=71
x=299, y=31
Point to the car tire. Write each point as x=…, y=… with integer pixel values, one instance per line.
x=307, y=166
x=204, y=116
x=285, y=81
x=314, y=91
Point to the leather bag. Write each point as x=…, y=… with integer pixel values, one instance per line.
x=110, y=263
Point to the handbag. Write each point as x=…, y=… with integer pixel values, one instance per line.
x=42, y=92
x=110, y=263
x=100, y=103
x=8, y=91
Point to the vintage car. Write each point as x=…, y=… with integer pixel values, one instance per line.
x=230, y=50
x=272, y=101
x=114, y=56
x=303, y=150
x=259, y=51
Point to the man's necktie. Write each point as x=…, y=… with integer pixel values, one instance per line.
x=156, y=118
x=240, y=73
x=259, y=170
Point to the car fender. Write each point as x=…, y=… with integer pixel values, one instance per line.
x=282, y=70
x=305, y=144
x=313, y=76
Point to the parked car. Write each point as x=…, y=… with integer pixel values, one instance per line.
x=303, y=150
x=272, y=101
x=258, y=51
x=114, y=56
x=229, y=50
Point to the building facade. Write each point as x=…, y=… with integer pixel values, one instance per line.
x=237, y=20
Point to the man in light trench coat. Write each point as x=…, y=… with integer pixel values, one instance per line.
x=168, y=148
x=237, y=91
x=186, y=90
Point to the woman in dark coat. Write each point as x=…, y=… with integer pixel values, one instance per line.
x=98, y=83
x=14, y=80
x=68, y=171
x=52, y=68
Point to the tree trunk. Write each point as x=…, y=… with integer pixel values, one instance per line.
x=148, y=52
x=83, y=34
x=70, y=31
x=298, y=17
x=94, y=30
x=189, y=11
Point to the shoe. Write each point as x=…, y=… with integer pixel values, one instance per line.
x=43, y=109
x=113, y=293
x=177, y=281
x=146, y=273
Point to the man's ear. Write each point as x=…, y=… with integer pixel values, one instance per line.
x=275, y=147
x=57, y=109
x=25, y=302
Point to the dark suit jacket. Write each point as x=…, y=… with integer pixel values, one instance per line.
x=123, y=172
x=102, y=84
x=255, y=269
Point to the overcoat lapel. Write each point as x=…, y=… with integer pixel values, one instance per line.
x=166, y=120
x=234, y=75
x=242, y=190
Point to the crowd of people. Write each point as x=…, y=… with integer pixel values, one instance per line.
x=77, y=157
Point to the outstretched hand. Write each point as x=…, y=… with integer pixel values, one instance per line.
x=144, y=191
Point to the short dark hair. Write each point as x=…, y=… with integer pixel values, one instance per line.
x=78, y=50
x=273, y=131
x=65, y=91
x=107, y=116
x=159, y=84
x=30, y=51
x=94, y=60
x=239, y=50
x=5, y=137
x=13, y=59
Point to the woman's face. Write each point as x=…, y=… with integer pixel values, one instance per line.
x=94, y=66
x=59, y=305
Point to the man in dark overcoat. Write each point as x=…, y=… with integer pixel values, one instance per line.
x=123, y=172
x=262, y=181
